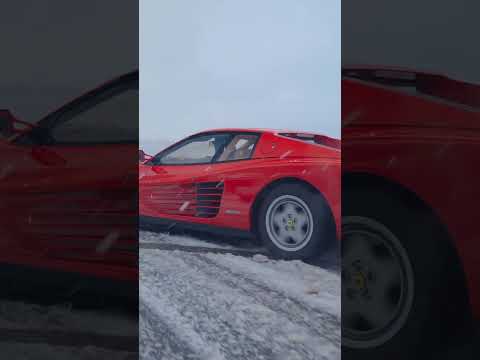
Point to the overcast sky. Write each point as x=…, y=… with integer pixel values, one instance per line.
x=434, y=36
x=54, y=50
x=212, y=63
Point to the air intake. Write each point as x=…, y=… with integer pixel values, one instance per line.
x=208, y=196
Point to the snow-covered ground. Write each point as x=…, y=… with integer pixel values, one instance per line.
x=47, y=352
x=209, y=242
x=31, y=331
x=209, y=304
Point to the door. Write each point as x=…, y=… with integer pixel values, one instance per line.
x=79, y=180
x=187, y=181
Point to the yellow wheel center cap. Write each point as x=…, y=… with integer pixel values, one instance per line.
x=290, y=223
x=359, y=280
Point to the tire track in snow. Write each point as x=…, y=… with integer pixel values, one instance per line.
x=162, y=241
x=69, y=339
x=199, y=249
x=191, y=311
x=229, y=313
x=157, y=338
x=274, y=299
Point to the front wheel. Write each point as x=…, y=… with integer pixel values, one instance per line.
x=294, y=222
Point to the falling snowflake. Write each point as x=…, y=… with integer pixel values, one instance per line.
x=184, y=206
x=284, y=155
x=107, y=242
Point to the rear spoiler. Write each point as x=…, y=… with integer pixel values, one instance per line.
x=315, y=139
x=436, y=85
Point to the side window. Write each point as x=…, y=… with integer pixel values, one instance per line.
x=113, y=120
x=197, y=150
x=240, y=148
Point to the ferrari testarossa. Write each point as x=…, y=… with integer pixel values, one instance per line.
x=282, y=186
x=68, y=190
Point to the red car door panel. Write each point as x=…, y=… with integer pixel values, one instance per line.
x=68, y=187
x=74, y=207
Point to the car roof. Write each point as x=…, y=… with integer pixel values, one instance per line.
x=256, y=130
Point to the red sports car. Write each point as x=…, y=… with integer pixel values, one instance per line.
x=282, y=186
x=411, y=253
x=68, y=187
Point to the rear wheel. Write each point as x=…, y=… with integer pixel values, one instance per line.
x=293, y=222
x=402, y=289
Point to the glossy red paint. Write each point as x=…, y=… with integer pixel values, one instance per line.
x=426, y=141
x=275, y=157
x=71, y=207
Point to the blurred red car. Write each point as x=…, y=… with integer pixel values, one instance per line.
x=282, y=186
x=68, y=187
x=411, y=254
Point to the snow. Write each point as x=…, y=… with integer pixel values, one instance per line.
x=260, y=258
x=197, y=305
x=19, y=315
x=148, y=237
x=206, y=305
x=35, y=322
x=46, y=352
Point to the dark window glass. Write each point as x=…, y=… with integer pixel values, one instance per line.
x=113, y=120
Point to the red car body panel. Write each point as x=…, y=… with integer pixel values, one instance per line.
x=168, y=191
x=71, y=208
x=427, y=142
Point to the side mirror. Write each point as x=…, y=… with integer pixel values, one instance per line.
x=6, y=123
x=10, y=125
x=141, y=155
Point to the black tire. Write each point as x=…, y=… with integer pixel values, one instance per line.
x=322, y=229
x=438, y=302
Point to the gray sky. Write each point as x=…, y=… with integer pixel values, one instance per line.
x=434, y=36
x=211, y=63
x=49, y=56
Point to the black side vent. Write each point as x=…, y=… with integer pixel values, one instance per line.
x=209, y=197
